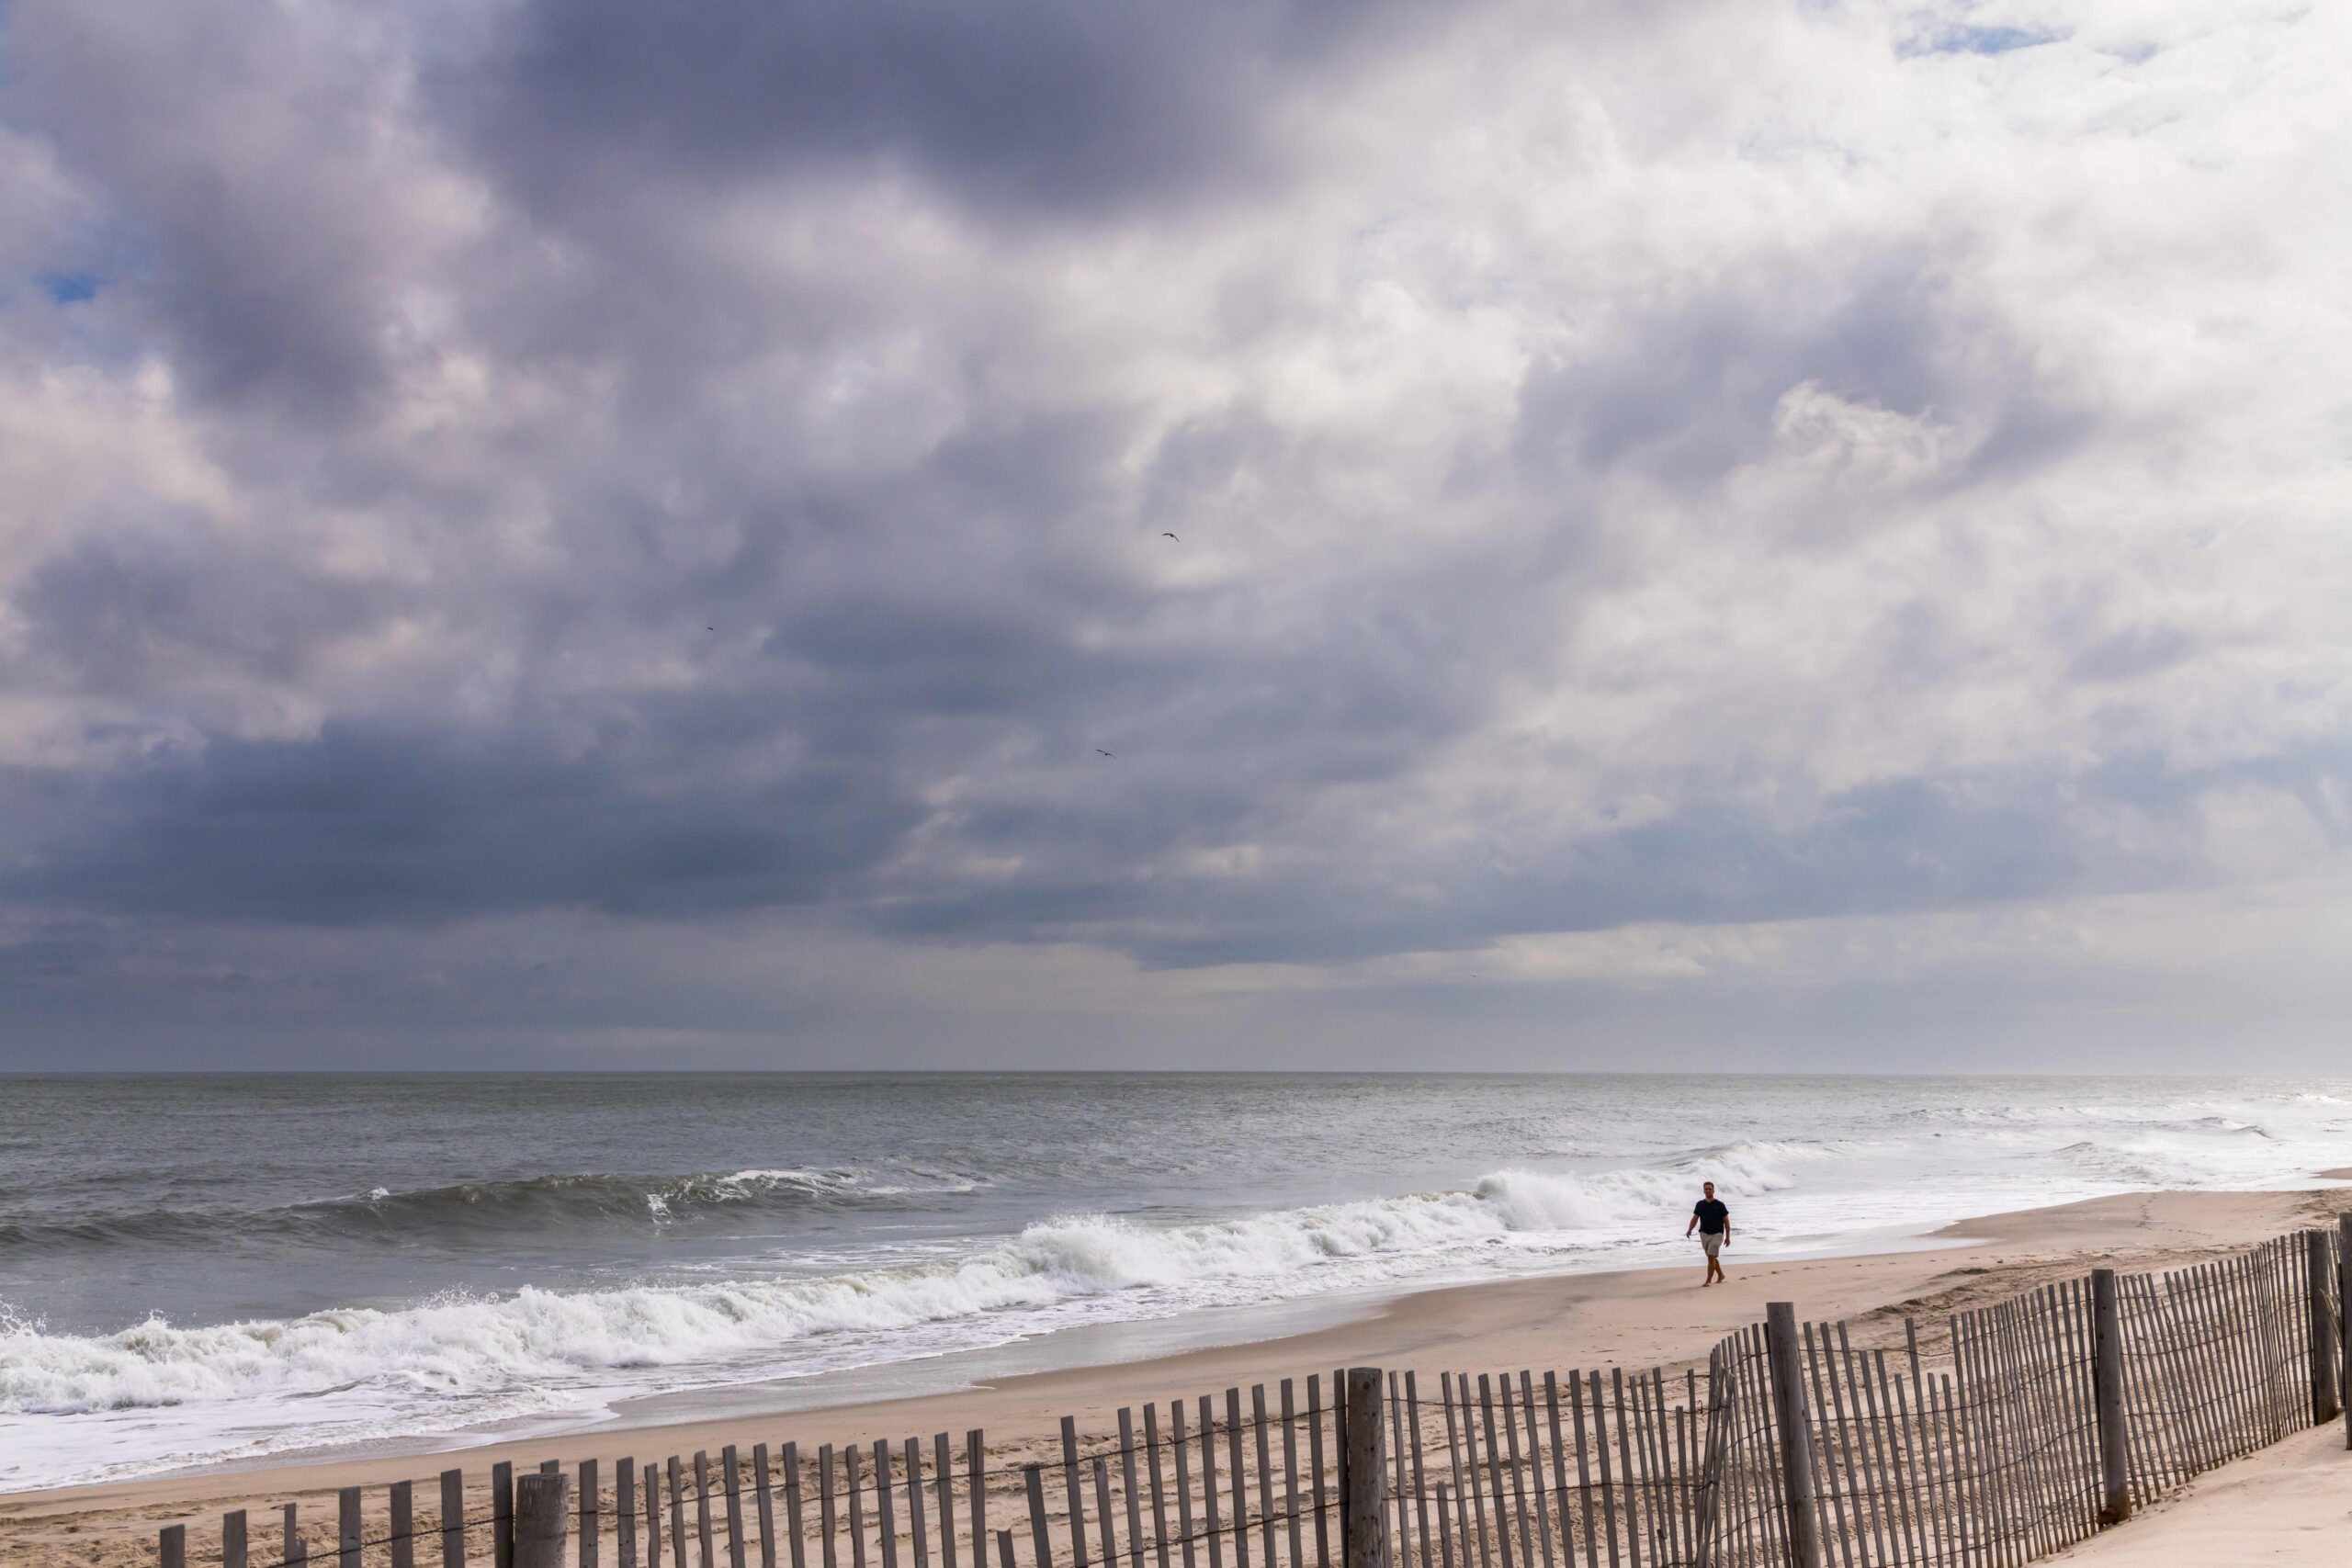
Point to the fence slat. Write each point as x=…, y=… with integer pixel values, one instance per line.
x=624, y=1507
x=653, y=1516
x=886, y=1518
x=1177, y=1451
x=1400, y=1477
x=1033, y=1483
x=943, y=1464
x=1290, y=1476
x=1495, y=1486
x=1534, y=1482
x=1208, y=1479
x=976, y=1476
x=1600, y=1454
x=1633, y=1449
x=1465, y=1500
x=918, y=1523
x=733, y=1495
x=1102, y=1510
x=1977, y=1424
x=1827, y=1431
x=797, y=1543
x=1902, y=1476
x=401, y=1525
x=2193, y=1389
x=764, y=1492
x=588, y=1506
x=2017, y=1454
x=1076, y=1521
x=1266, y=1523
x=1315, y=1467
x=1127, y=1482
x=1241, y=1488
x=2075, y=1318
x=1927, y=1506
x=1560, y=1474
x=826, y=1506
x=2343, y=1275
x=854, y=1483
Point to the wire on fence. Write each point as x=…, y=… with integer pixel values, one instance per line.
x=1977, y=1443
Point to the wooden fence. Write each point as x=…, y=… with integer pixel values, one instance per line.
x=1991, y=1438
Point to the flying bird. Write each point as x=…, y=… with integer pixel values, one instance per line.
x=1100, y=753
x=1168, y=536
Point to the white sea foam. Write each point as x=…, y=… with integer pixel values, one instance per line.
x=81, y=1405
x=460, y=1344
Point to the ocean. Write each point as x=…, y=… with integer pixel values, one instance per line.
x=200, y=1270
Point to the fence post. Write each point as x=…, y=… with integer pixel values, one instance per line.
x=1364, y=1482
x=542, y=1505
x=2106, y=1393
x=2344, y=1316
x=453, y=1518
x=502, y=1515
x=2323, y=1326
x=1795, y=1426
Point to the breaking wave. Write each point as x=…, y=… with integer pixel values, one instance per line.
x=531, y=1202
x=457, y=1344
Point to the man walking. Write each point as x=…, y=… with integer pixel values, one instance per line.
x=1711, y=1220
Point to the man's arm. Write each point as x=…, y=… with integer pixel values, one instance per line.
x=1691, y=1226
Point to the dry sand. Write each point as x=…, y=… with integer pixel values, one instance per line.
x=2290, y=1503
x=1632, y=1319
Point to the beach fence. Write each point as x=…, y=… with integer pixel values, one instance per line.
x=1981, y=1439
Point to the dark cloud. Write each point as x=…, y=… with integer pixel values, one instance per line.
x=248, y=148
x=617, y=479
x=363, y=825
x=147, y=610
x=1049, y=104
x=1900, y=847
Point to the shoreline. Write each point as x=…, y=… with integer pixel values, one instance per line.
x=1627, y=1318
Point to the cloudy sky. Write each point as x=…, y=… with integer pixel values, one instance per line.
x=1710, y=534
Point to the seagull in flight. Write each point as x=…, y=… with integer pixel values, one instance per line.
x=1100, y=753
x=1168, y=536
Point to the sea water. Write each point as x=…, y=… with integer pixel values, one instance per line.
x=198, y=1270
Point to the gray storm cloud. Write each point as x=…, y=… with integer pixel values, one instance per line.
x=559, y=529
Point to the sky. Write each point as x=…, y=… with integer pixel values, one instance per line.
x=1724, y=535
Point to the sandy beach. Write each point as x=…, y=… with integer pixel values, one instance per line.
x=1630, y=1319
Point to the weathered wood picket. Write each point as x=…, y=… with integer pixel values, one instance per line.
x=1993, y=1438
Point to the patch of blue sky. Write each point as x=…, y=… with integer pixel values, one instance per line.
x=1970, y=39
x=71, y=288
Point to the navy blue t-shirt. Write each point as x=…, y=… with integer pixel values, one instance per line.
x=1713, y=1218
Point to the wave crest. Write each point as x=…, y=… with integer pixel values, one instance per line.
x=478, y=1344
x=586, y=1198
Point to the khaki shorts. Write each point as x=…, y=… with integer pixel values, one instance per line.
x=1711, y=1240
